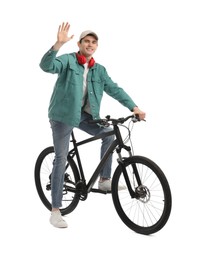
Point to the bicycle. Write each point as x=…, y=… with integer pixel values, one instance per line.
x=144, y=205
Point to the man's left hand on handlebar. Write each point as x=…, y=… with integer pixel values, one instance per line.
x=139, y=113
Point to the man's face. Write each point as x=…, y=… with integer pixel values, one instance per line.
x=88, y=46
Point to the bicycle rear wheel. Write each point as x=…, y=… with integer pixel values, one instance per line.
x=43, y=170
x=148, y=208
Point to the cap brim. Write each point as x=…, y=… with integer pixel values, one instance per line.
x=86, y=33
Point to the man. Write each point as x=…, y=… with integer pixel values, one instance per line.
x=75, y=100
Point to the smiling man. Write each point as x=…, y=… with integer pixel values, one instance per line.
x=88, y=43
x=75, y=100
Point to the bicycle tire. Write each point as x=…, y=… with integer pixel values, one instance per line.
x=145, y=215
x=43, y=169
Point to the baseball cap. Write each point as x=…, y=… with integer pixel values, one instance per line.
x=85, y=33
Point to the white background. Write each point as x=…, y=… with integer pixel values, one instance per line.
x=156, y=51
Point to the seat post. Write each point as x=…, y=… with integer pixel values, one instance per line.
x=73, y=137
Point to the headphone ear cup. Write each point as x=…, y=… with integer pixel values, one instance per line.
x=91, y=63
x=81, y=59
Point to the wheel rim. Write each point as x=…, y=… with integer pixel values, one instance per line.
x=45, y=172
x=148, y=206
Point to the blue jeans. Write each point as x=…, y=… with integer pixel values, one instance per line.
x=61, y=135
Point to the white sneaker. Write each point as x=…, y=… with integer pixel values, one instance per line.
x=56, y=220
x=106, y=185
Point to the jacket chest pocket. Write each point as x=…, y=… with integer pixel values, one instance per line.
x=73, y=76
x=98, y=85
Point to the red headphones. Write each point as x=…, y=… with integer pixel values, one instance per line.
x=82, y=60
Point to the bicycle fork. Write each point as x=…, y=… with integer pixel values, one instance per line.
x=123, y=163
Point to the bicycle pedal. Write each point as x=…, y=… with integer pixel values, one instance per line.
x=83, y=197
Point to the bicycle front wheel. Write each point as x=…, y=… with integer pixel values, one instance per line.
x=43, y=170
x=145, y=205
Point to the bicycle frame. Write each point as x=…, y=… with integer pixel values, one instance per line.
x=117, y=144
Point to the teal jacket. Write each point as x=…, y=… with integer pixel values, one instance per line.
x=66, y=100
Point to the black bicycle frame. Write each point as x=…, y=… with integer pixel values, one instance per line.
x=75, y=152
x=116, y=144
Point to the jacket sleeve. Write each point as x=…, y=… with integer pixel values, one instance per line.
x=116, y=92
x=52, y=64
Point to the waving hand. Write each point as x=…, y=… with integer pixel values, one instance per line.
x=62, y=36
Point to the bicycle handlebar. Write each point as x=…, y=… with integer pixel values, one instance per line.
x=114, y=121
